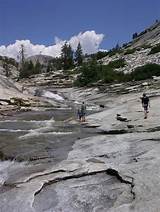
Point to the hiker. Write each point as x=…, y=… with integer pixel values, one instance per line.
x=83, y=112
x=79, y=114
x=145, y=104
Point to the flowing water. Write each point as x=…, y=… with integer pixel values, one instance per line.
x=31, y=143
x=39, y=134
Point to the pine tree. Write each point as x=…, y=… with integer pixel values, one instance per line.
x=67, y=56
x=49, y=68
x=135, y=35
x=22, y=67
x=79, y=55
x=117, y=47
x=22, y=55
x=70, y=56
x=37, y=68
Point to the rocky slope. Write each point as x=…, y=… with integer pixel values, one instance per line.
x=130, y=148
x=8, y=66
x=114, y=167
x=141, y=46
x=15, y=96
x=55, y=79
x=135, y=54
x=150, y=36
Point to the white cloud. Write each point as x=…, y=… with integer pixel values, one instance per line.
x=89, y=40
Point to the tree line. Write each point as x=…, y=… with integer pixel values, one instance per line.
x=67, y=60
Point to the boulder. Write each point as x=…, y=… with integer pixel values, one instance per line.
x=20, y=102
x=120, y=118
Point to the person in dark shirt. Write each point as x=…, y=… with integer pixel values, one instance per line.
x=79, y=114
x=83, y=112
x=145, y=104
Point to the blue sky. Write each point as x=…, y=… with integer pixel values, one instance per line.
x=41, y=20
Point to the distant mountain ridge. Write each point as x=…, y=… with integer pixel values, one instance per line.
x=42, y=59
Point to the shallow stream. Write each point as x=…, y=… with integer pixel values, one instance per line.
x=33, y=142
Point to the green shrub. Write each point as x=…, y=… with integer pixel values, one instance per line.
x=99, y=55
x=155, y=49
x=146, y=46
x=145, y=72
x=117, y=63
x=109, y=75
x=129, y=51
x=114, y=51
x=92, y=72
x=89, y=73
x=29, y=69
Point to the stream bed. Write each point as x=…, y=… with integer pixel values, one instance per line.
x=34, y=142
x=44, y=165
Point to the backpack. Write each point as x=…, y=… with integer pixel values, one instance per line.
x=145, y=100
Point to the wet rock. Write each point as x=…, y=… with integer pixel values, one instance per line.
x=102, y=106
x=130, y=126
x=4, y=157
x=120, y=118
x=113, y=131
